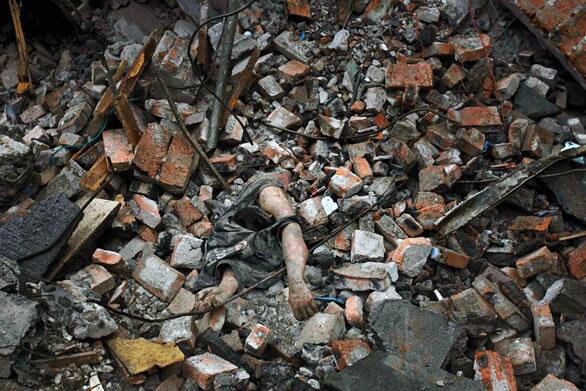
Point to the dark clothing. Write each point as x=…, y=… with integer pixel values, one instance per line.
x=244, y=221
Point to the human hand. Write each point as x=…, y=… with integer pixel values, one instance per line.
x=301, y=301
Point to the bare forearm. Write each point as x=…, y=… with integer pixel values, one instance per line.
x=295, y=252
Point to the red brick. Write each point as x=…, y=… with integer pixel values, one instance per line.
x=299, y=8
x=494, y=371
x=543, y=325
x=472, y=48
x=552, y=383
x=178, y=164
x=577, y=263
x=348, y=351
x=550, y=16
x=538, y=141
x=530, y=7
x=257, y=340
x=187, y=212
x=344, y=183
x=438, y=49
x=354, y=311
x=470, y=141
x=152, y=149
x=118, y=149
x=358, y=106
x=362, y=168
x=381, y=121
x=224, y=163
x=100, y=280
x=147, y=234
x=409, y=225
x=110, y=260
x=453, y=76
x=401, y=75
x=438, y=177
x=205, y=367
x=536, y=262
x=145, y=210
x=293, y=71
x=428, y=215
x=452, y=258
x=477, y=116
x=202, y=229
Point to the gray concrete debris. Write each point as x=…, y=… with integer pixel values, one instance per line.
x=15, y=167
x=403, y=329
x=380, y=370
x=90, y=320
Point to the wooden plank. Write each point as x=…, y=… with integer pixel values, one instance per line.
x=96, y=217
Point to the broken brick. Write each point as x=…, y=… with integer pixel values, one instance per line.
x=543, y=325
x=111, y=260
x=538, y=261
x=494, y=371
x=344, y=183
x=118, y=149
x=472, y=48
x=401, y=75
x=477, y=116
x=157, y=277
x=577, y=263
x=354, y=311
x=293, y=72
x=348, y=351
x=257, y=340
x=204, y=368
x=145, y=210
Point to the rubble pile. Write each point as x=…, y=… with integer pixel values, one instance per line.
x=433, y=152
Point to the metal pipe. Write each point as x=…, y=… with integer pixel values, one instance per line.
x=225, y=53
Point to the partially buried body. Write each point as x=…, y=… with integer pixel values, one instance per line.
x=249, y=243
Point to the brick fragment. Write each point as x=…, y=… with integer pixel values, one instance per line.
x=438, y=177
x=538, y=261
x=362, y=168
x=257, y=340
x=494, y=371
x=118, y=149
x=99, y=279
x=331, y=127
x=293, y=72
x=204, y=368
x=409, y=225
x=233, y=131
x=344, y=183
x=299, y=8
x=521, y=353
x=477, y=116
x=187, y=213
x=438, y=49
x=470, y=141
x=157, y=277
x=401, y=75
x=367, y=247
x=503, y=306
x=111, y=260
x=538, y=141
x=354, y=311
x=453, y=76
x=312, y=212
x=543, y=325
x=577, y=263
x=145, y=210
x=152, y=149
x=411, y=255
x=472, y=48
x=348, y=351
x=283, y=118
x=178, y=165
x=449, y=257
x=552, y=383
x=321, y=328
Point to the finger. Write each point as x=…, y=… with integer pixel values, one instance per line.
x=306, y=312
x=314, y=306
x=296, y=314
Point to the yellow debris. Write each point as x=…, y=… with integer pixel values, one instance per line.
x=140, y=355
